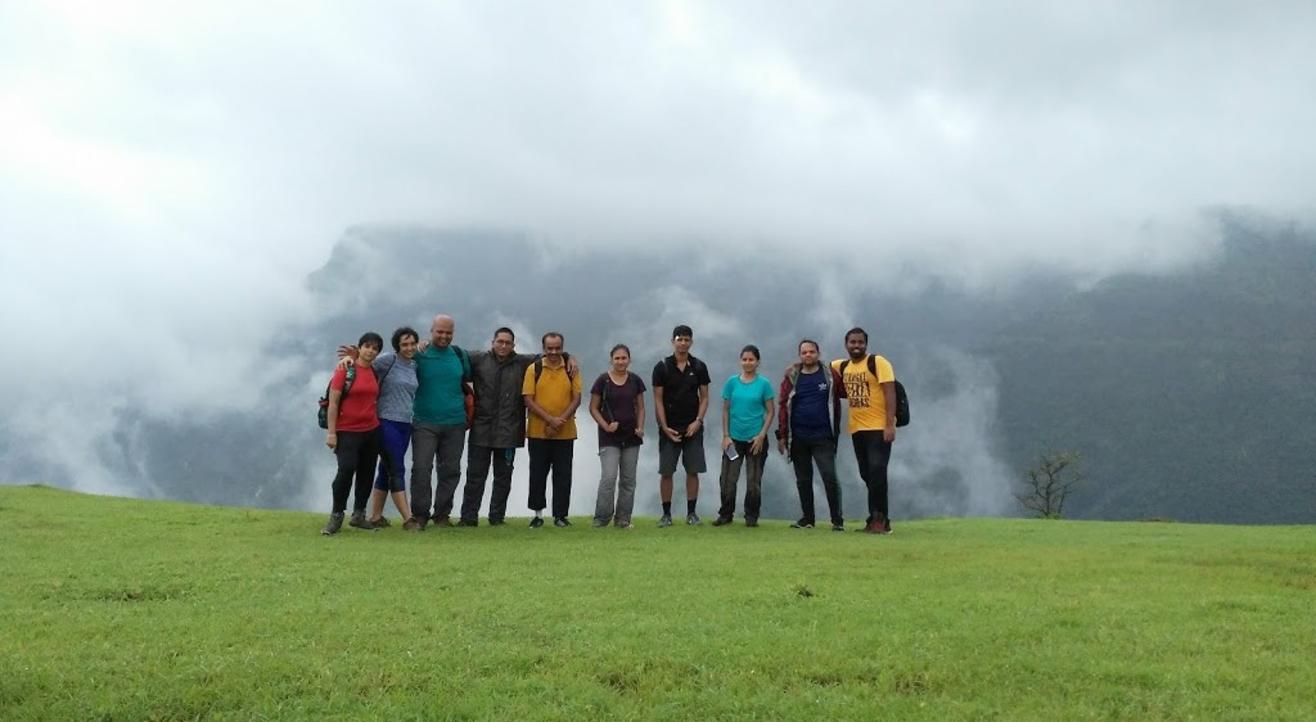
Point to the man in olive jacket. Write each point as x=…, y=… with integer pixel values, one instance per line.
x=498, y=429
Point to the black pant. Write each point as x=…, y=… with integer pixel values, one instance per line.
x=730, y=477
x=873, y=452
x=357, y=452
x=428, y=443
x=804, y=454
x=555, y=455
x=477, y=470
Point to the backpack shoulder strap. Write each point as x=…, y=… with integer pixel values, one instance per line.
x=539, y=368
x=380, y=377
x=872, y=366
x=465, y=361
x=844, y=364
x=349, y=378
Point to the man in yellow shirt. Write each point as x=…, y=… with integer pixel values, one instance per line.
x=552, y=394
x=870, y=386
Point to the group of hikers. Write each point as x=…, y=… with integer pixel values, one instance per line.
x=430, y=395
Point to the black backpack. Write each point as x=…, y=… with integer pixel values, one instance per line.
x=323, y=414
x=902, y=400
x=566, y=364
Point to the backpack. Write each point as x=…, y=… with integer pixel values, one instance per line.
x=902, y=400
x=348, y=380
x=566, y=363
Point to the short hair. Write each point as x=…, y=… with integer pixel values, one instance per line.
x=402, y=333
x=506, y=330
x=551, y=334
x=620, y=347
x=803, y=341
x=856, y=330
x=683, y=330
x=371, y=338
x=751, y=348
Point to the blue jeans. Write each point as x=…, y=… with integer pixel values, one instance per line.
x=395, y=438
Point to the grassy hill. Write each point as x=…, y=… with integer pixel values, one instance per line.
x=122, y=609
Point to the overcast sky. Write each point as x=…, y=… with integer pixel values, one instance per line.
x=169, y=172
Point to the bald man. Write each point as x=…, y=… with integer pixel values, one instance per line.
x=443, y=370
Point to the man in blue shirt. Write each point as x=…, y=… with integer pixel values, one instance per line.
x=808, y=425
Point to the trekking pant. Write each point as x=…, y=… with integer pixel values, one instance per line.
x=753, y=464
x=444, y=442
x=554, y=455
x=873, y=453
x=804, y=454
x=357, y=452
x=616, y=462
x=478, y=459
x=395, y=437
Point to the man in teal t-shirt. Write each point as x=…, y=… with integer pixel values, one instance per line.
x=438, y=423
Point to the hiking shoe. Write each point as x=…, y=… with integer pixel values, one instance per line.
x=693, y=519
x=380, y=523
x=751, y=522
x=838, y=526
x=497, y=522
x=536, y=522
x=560, y=522
x=722, y=521
x=802, y=524
x=443, y=521
x=882, y=524
x=665, y=521
x=598, y=524
x=625, y=525
x=358, y=520
x=469, y=522
x=332, y=526
x=412, y=525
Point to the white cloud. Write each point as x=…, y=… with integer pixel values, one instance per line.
x=169, y=173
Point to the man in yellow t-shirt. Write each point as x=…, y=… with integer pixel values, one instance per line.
x=870, y=386
x=552, y=395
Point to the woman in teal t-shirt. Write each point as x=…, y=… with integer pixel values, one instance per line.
x=746, y=418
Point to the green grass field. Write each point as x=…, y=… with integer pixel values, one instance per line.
x=131, y=610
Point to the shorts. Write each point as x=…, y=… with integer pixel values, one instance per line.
x=690, y=450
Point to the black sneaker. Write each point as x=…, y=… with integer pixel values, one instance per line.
x=665, y=521
x=751, y=522
x=838, y=526
x=802, y=524
x=442, y=521
x=536, y=522
x=469, y=522
x=358, y=521
x=722, y=521
x=332, y=526
x=497, y=522
x=560, y=521
x=693, y=519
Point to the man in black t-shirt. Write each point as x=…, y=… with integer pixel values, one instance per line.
x=680, y=391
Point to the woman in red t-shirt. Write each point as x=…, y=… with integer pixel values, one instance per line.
x=354, y=434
